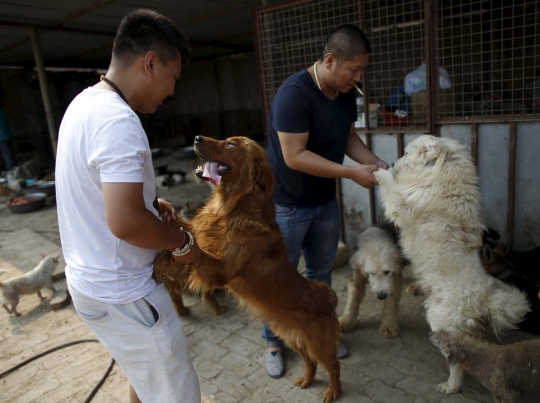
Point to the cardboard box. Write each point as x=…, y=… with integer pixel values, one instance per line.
x=420, y=101
x=361, y=122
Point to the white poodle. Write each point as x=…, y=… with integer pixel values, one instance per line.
x=29, y=283
x=432, y=195
x=379, y=262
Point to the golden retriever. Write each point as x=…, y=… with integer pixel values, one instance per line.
x=244, y=252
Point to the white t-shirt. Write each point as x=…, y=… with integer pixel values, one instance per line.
x=101, y=140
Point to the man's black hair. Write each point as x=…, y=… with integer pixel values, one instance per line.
x=144, y=30
x=346, y=42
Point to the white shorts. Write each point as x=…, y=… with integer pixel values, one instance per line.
x=147, y=340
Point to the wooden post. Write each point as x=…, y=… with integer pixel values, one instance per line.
x=43, y=84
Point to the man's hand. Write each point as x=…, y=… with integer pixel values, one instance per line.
x=168, y=212
x=363, y=175
x=194, y=257
x=381, y=164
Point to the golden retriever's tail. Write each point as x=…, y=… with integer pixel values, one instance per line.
x=507, y=306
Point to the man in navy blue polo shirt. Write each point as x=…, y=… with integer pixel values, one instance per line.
x=311, y=128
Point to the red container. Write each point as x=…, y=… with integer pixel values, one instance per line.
x=392, y=120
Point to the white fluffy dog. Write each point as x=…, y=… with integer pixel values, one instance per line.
x=432, y=195
x=29, y=283
x=379, y=262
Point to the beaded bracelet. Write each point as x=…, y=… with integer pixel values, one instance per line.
x=187, y=247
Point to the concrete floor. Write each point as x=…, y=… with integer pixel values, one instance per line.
x=227, y=351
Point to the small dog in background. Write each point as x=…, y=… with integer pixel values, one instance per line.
x=503, y=369
x=166, y=179
x=378, y=261
x=29, y=283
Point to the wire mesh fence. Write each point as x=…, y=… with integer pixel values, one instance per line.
x=447, y=60
x=491, y=51
x=397, y=77
x=291, y=37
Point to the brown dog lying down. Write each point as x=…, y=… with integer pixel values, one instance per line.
x=243, y=251
x=176, y=282
x=503, y=369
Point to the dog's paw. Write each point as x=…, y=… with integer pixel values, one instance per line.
x=347, y=324
x=221, y=310
x=383, y=176
x=447, y=389
x=331, y=395
x=183, y=311
x=389, y=329
x=303, y=382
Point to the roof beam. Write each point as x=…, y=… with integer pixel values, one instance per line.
x=67, y=17
x=218, y=12
x=58, y=28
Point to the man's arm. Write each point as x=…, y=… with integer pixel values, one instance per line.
x=130, y=220
x=359, y=152
x=297, y=157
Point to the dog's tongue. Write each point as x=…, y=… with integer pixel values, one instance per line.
x=210, y=172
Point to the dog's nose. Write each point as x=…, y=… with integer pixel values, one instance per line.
x=393, y=164
x=198, y=139
x=382, y=295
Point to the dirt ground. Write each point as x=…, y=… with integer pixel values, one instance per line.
x=227, y=351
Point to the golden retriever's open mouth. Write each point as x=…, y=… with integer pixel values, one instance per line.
x=212, y=171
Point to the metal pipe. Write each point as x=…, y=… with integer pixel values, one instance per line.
x=400, y=145
x=474, y=143
x=512, y=143
x=432, y=72
x=257, y=18
x=364, y=74
x=371, y=191
x=44, y=85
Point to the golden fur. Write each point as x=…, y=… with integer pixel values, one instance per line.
x=244, y=252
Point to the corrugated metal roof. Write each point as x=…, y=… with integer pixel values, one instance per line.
x=80, y=33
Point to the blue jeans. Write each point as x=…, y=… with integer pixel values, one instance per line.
x=313, y=231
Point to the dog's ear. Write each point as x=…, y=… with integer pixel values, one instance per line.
x=455, y=353
x=432, y=151
x=263, y=176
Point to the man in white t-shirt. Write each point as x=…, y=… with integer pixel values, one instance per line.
x=109, y=217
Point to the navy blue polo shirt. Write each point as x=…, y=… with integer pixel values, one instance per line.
x=299, y=107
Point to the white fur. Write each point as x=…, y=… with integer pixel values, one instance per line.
x=379, y=262
x=432, y=195
x=29, y=283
